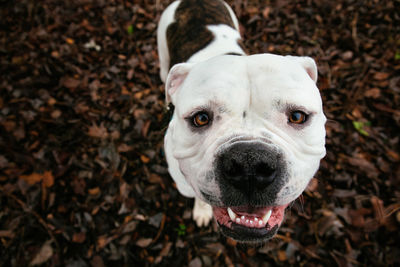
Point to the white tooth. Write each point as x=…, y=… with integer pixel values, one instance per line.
x=256, y=219
x=251, y=222
x=267, y=216
x=260, y=222
x=232, y=215
x=242, y=217
x=247, y=221
x=237, y=220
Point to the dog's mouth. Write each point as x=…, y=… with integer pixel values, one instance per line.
x=249, y=224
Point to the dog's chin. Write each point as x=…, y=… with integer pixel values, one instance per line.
x=249, y=224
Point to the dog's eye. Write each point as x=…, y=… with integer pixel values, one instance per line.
x=201, y=119
x=297, y=117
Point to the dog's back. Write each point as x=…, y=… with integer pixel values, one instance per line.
x=187, y=27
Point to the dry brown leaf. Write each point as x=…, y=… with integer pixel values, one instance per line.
x=155, y=178
x=71, y=83
x=44, y=254
x=381, y=76
x=282, y=255
x=144, y=159
x=393, y=155
x=379, y=209
x=144, y=242
x=48, y=179
x=102, y=241
x=7, y=233
x=365, y=165
x=357, y=217
x=124, y=148
x=79, y=237
x=70, y=41
x=373, y=93
x=56, y=114
x=32, y=178
x=94, y=191
x=98, y=131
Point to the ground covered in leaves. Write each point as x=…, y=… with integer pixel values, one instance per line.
x=83, y=180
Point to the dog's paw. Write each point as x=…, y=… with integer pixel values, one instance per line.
x=202, y=213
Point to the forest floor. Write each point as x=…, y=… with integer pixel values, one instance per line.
x=83, y=178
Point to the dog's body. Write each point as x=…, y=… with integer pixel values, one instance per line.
x=247, y=132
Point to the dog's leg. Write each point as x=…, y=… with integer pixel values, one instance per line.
x=202, y=212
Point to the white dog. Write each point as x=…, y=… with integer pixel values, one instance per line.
x=247, y=133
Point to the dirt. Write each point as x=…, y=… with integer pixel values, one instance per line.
x=83, y=178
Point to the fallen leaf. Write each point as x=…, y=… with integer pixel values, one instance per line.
x=56, y=114
x=373, y=93
x=7, y=233
x=144, y=242
x=102, y=241
x=282, y=255
x=393, y=155
x=79, y=237
x=48, y=179
x=381, y=76
x=196, y=262
x=45, y=253
x=144, y=159
x=70, y=41
x=71, y=83
x=94, y=191
x=124, y=148
x=98, y=131
x=32, y=178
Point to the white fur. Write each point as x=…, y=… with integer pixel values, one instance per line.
x=202, y=212
x=260, y=85
x=225, y=40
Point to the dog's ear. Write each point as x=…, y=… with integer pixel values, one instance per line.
x=175, y=79
x=308, y=64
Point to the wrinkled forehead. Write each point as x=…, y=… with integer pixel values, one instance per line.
x=237, y=81
x=222, y=80
x=279, y=80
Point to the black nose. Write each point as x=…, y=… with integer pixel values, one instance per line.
x=248, y=167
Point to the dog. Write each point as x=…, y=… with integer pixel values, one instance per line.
x=247, y=132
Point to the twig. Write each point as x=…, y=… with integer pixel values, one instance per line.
x=35, y=214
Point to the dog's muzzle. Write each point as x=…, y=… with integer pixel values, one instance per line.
x=250, y=174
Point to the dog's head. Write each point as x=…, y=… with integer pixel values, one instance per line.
x=247, y=135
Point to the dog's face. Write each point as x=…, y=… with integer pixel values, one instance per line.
x=247, y=135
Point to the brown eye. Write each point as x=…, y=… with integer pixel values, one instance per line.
x=201, y=119
x=297, y=117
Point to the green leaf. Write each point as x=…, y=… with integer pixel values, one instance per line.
x=397, y=55
x=359, y=126
x=129, y=29
x=181, y=229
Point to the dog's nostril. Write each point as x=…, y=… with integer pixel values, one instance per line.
x=264, y=175
x=233, y=169
x=263, y=169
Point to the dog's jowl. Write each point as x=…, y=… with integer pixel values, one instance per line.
x=247, y=133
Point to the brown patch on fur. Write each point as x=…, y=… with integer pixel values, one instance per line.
x=188, y=34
